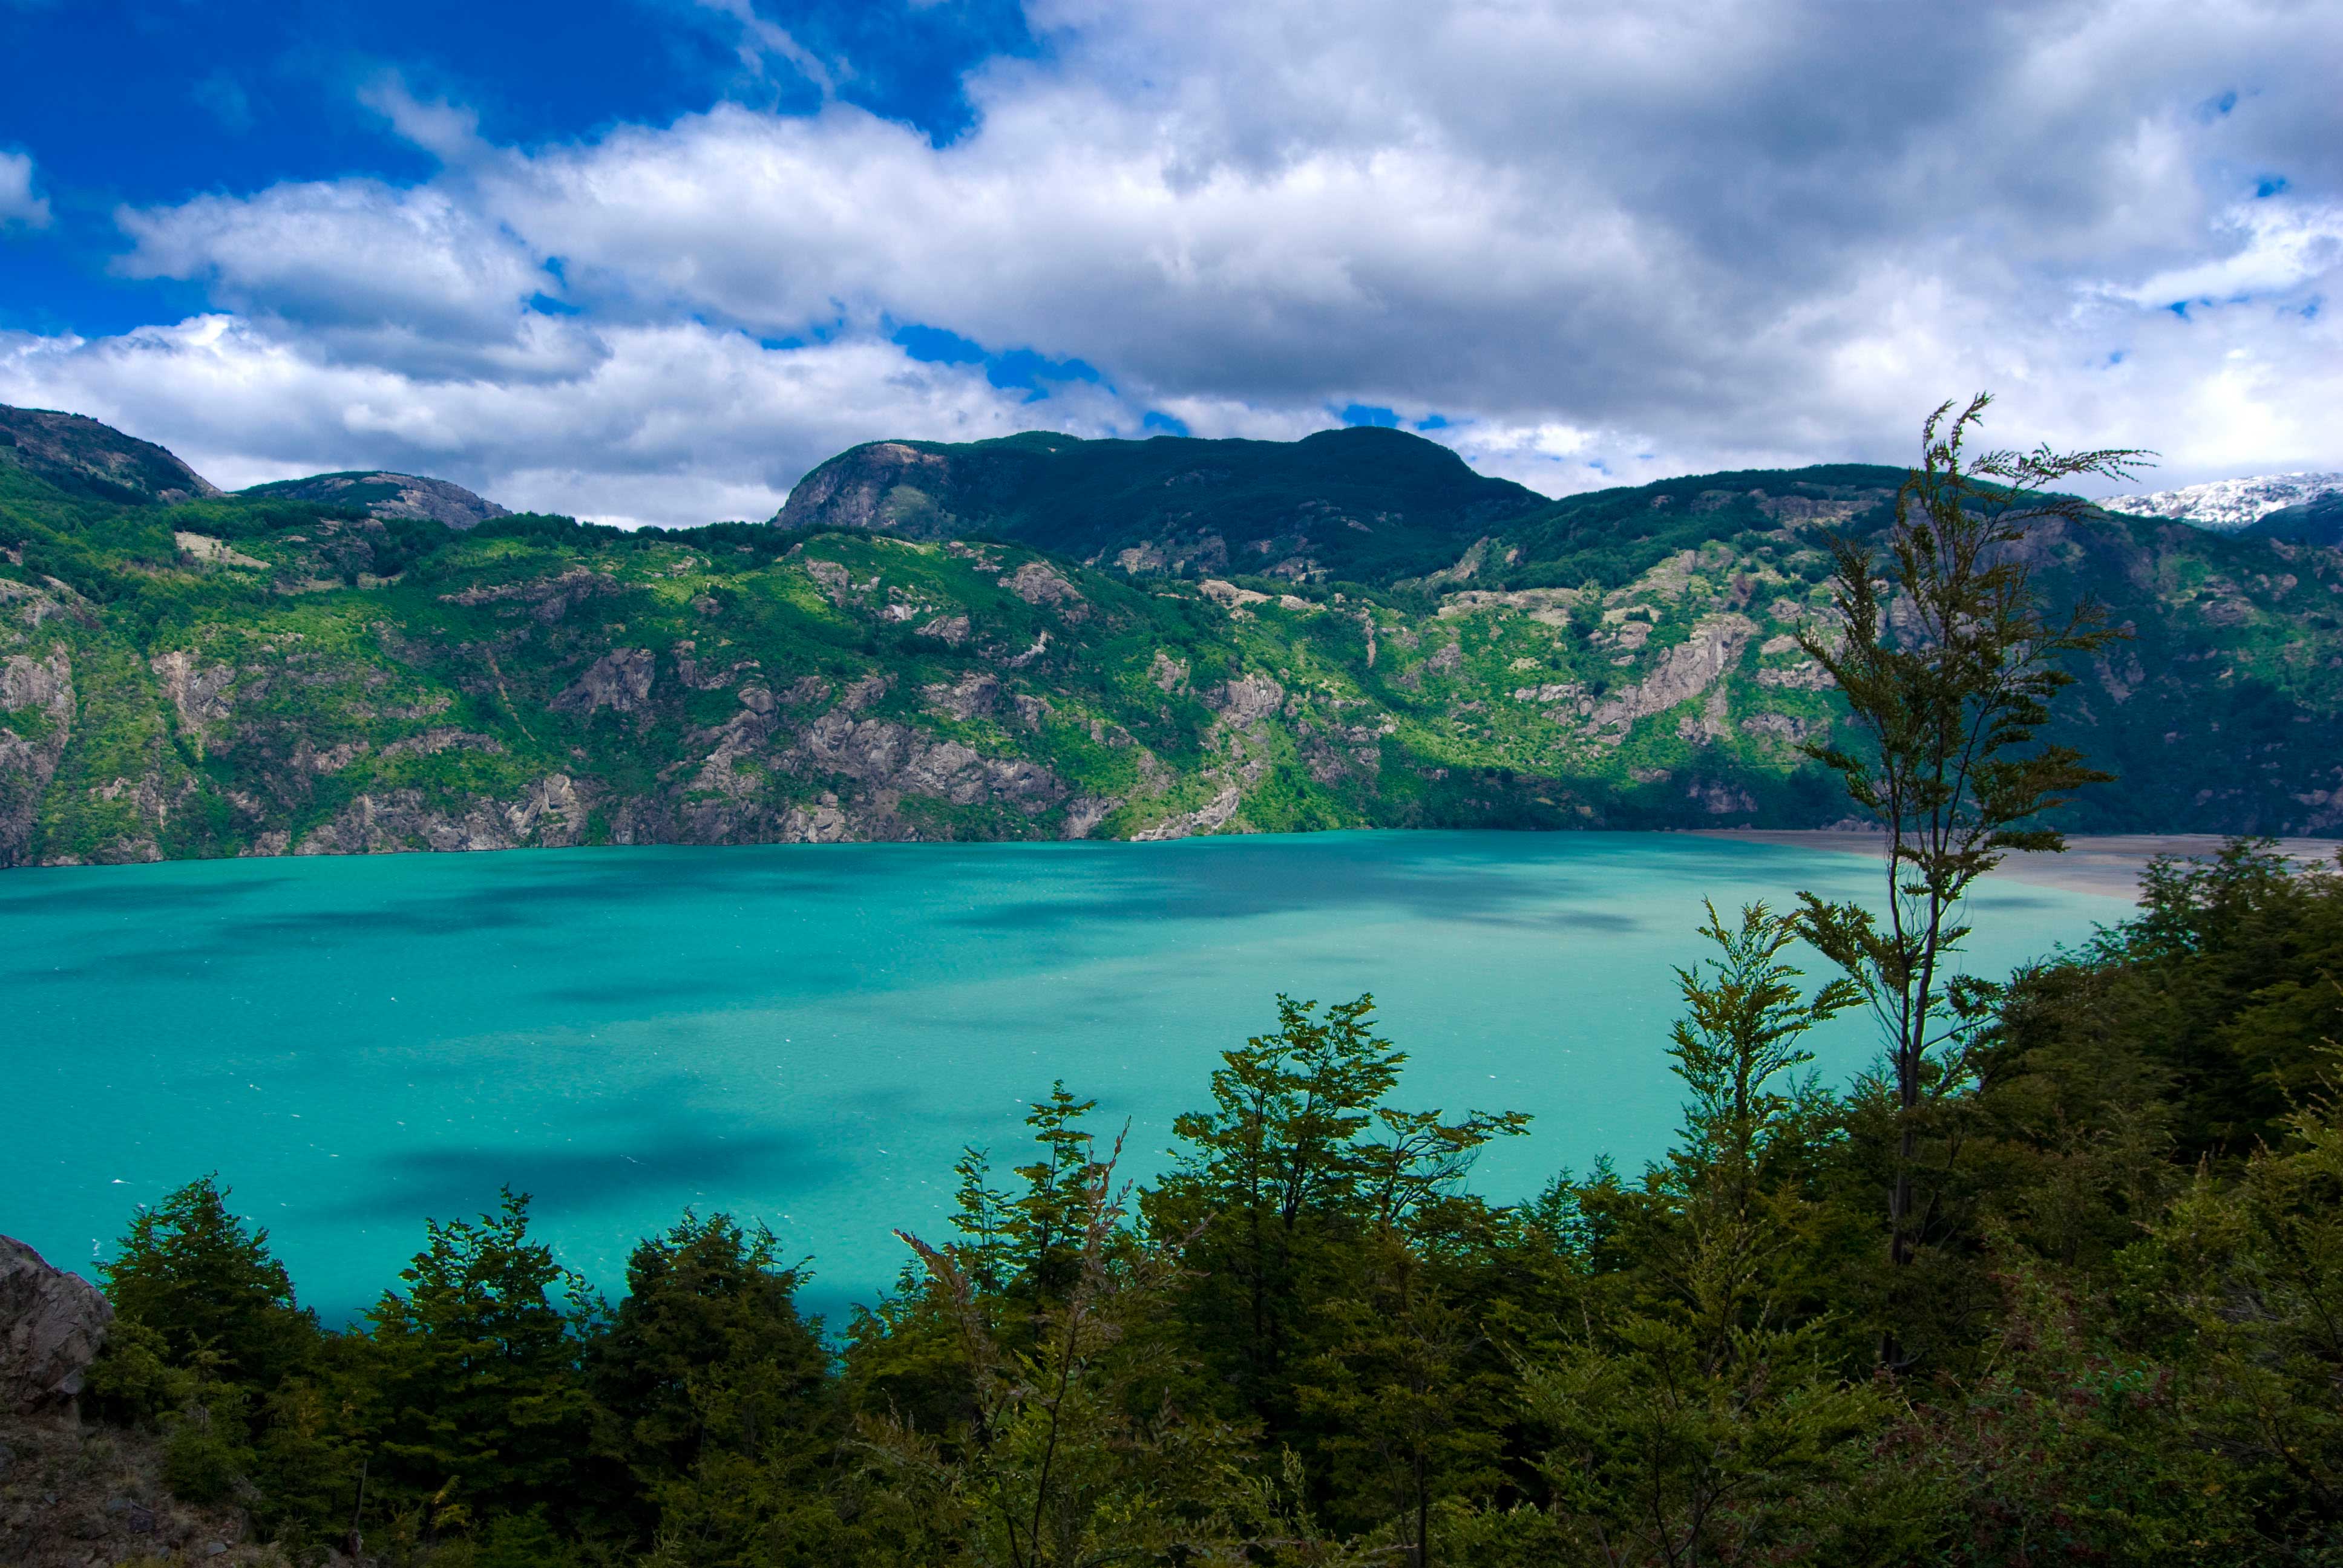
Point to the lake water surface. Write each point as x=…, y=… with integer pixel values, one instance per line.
x=808, y=1035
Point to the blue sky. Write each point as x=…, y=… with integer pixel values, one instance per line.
x=649, y=259
x=229, y=95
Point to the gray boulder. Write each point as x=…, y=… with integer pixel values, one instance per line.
x=52, y=1326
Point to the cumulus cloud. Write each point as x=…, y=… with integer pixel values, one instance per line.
x=18, y=205
x=2279, y=247
x=353, y=253
x=1599, y=244
x=675, y=423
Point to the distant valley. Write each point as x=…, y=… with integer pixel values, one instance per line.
x=1048, y=638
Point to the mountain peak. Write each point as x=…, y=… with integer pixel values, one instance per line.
x=79, y=454
x=387, y=495
x=1362, y=504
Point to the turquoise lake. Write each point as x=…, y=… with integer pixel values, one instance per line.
x=808, y=1035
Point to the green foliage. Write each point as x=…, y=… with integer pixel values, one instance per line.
x=1299, y=1160
x=208, y=1290
x=1948, y=692
x=1672, y=1445
x=1417, y=505
x=1072, y=1452
x=204, y=1457
x=478, y=1398
x=708, y=1349
x=716, y=1394
x=1739, y=1033
x=2105, y=1284
x=247, y=667
x=1408, y=1406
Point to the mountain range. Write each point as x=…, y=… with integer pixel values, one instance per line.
x=1046, y=636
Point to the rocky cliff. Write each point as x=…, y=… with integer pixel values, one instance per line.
x=52, y=1326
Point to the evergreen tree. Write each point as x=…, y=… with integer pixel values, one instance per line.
x=478, y=1401
x=1282, y=1177
x=193, y=1272
x=1075, y=1453
x=720, y=1393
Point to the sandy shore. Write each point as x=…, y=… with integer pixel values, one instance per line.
x=2106, y=863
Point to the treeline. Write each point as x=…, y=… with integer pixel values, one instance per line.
x=2120, y=1331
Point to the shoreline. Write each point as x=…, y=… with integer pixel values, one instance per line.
x=2108, y=864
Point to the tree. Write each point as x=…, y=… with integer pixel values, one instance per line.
x=1074, y=1452
x=717, y=1387
x=476, y=1371
x=191, y=1272
x=1949, y=665
x=1692, y=1418
x=1412, y=1413
x=1282, y=1175
x=2242, y=1285
x=1739, y=1032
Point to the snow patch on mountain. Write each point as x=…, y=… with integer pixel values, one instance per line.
x=2224, y=506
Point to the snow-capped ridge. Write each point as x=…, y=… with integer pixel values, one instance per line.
x=2224, y=506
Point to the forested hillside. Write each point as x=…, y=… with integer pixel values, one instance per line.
x=189, y=674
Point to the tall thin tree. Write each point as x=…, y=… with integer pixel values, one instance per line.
x=1949, y=662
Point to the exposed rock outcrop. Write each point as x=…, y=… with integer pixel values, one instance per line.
x=1041, y=584
x=1685, y=671
x=970, y=697
x=1209, y=818
x=28, y=759
x=882, y=754
x=387, y=495
x=52, y=1326
x=547, y=599
x=196, y=692
x=552, y=813
x=1247, y=701
x=889, y=485
x=621, y=681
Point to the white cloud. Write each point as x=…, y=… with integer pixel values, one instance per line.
x=18, y=205
x=2278, y=246
x=763, y=42
x=674, y=424
x=1604, y=242
x=351, y=253
x=449, y=132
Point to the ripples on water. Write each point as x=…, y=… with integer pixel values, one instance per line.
x=808, y=1035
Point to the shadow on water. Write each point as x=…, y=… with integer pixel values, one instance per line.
x=45, y=892
x=1199, y=881
x=809, y=1029
x=446, y=1183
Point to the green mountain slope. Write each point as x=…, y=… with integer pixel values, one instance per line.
x=2318, y=522
x=1366, y=506
x=263, y=674
x=82, y=457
